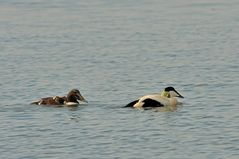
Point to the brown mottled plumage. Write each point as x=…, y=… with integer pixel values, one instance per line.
x=72, y=96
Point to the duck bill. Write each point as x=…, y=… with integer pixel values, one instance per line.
x=179, y=95
x=81, y=98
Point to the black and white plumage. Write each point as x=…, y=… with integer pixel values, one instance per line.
x=166, y=98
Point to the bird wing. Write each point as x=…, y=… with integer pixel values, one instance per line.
x=131, y=104
x=151, y=103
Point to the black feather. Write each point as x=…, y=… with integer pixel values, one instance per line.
x=131, y=104
x=151, y=103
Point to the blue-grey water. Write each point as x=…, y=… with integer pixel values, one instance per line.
x=114, y=52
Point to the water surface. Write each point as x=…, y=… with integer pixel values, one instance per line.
x=114, y=52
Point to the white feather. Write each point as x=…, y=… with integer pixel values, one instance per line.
x=157, y=97
x=71, y=104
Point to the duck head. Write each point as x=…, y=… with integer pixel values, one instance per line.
x=75, y=95
x=170, y=92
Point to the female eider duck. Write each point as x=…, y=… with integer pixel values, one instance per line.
x=73, y=96
x=166, y=98
x=70, y=99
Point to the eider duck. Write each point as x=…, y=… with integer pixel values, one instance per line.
x=73, y=96
x=166, y=98
x=70, y=99
x=56, y=100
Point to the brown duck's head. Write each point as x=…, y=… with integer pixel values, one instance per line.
x=75, y=95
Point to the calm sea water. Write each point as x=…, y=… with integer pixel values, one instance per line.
x=114, y=52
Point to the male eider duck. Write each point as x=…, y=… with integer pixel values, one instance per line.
x=70, y=99
x=166, y=98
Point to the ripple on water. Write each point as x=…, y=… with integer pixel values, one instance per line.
x=114, y=53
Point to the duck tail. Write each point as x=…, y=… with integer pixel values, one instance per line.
x=36, y=103
x=131, y=104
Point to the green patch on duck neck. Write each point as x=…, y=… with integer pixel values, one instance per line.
x=165, y=94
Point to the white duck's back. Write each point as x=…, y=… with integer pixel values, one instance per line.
x=156, y=97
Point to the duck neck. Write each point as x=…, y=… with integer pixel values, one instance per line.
x=165, y=94
x=173, y=101
x=71, y=98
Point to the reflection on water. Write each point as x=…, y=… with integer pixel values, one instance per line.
x=114, y=53
x=160, y=109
